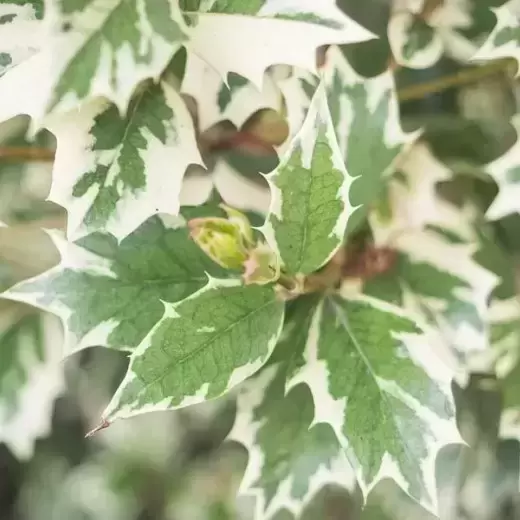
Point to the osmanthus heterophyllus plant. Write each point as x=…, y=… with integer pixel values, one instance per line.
x=335, y=317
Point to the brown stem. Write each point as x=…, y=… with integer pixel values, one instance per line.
x=26, y=154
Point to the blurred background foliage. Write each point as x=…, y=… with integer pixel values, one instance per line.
x=173, y=466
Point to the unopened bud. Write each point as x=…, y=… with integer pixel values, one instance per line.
x=225, y=241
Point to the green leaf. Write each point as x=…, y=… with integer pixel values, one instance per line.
x=503, y=42
x=265, y=28
x=112, y=295
x=365, y=115
x=31, y=376
x=20, y=31
x=290, y=457
x=309, y=195
x=506, y=173
x=414, y=43
x=113, y=172
x=391, y=414
x=201, y=348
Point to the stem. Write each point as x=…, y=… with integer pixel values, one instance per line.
x=286, y=282
x=26, y=153
x=462, y=77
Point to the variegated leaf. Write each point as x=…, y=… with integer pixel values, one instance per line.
x=20, y=31
x=361, y=363
x=235, y=100
x=365, y=114
x=309, y=194
x=414, y=42
x=504, y=41
x=506, y=172
x=265, y=26
x=201, y=348
x=291, y=457
x=31, y=375
x=111, y=294
x=111, y=172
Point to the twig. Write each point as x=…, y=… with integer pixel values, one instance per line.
x=462, y=77
x=26, y=154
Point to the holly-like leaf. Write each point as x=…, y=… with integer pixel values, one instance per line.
x=365, y=114
x=414, y=43
x=265, y=27
x=504, y=40
x=290, y=457
x=111, y=294
x=107, y=48
x=506, y=172
x=390, y=413
x=20, y=31
x=113, y=172
x=309, y=194
x=31, y=376
x=441, y=281
x=234, y=100
x=202, y=347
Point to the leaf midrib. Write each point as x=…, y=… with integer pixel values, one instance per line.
x=204, y=345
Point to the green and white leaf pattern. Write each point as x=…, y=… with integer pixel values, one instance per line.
x=309, y=194
x=362, y=355
x=235, y=100
x=20, y=31
x=291, y=457
x=414, y=43
x=31, y=376
x=503, y=42
x=113, y=172
x=201, y=348
x=266, y=26
x=506, y=172
x=111, y=294
x=365, y=114
x=93, y=56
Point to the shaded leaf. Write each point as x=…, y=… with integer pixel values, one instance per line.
x=290, y=457
x=31, y=376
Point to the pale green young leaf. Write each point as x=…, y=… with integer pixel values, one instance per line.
x=365, y=114
x=111, y=294
x=31, y=376
x=111, y=172
x=503, y=42
x=309, y=194
x=20, y=31
x=414, y=43
x=506, y=172
x=290, y=457
x=264, y=28
x=362, y=365
x=201, y=348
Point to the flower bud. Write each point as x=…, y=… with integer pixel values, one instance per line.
x=225, y=241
